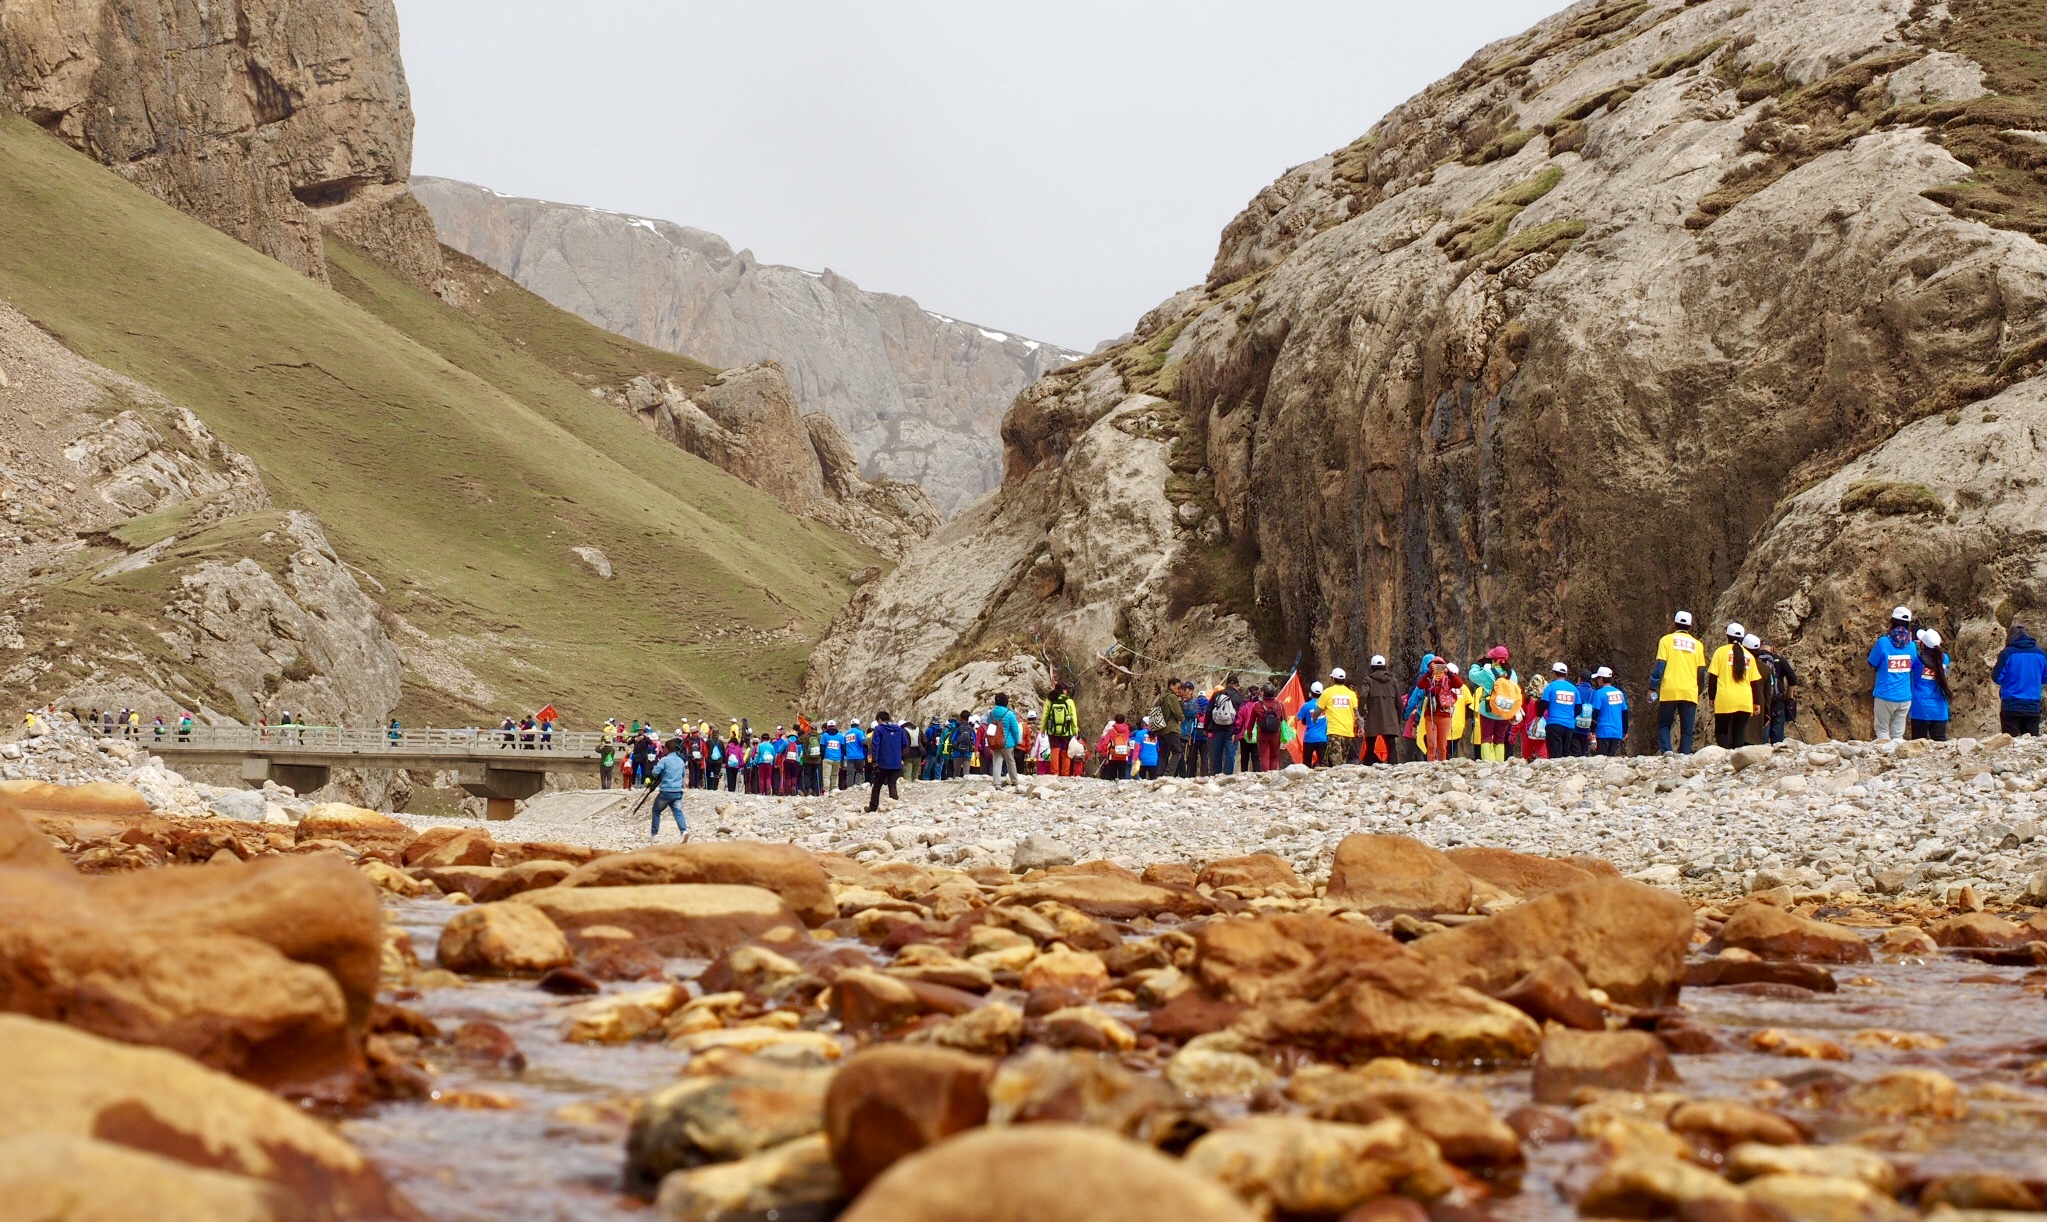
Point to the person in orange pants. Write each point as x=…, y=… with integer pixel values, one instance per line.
x=1442, y=690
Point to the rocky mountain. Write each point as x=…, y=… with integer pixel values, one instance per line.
x=1734, y=305
x=252, y=609
x=920, y=395
x=271, y=121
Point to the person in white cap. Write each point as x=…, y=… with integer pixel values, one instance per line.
x=1382, y=714
x=1777, y=702
x=1559, y=711
x=1675, y=680
x=1892, y=658
x=1930, y=691
x=1313, y=718
x=1609, y=713
x=1731, y=685
x=1340, y=703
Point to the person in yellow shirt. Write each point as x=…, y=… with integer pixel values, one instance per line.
x=1731, y=685
x=1675, y=680
x=1341, y=704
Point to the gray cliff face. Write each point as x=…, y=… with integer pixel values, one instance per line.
x=919, y=395
x=1607, y=323
x=269, y=120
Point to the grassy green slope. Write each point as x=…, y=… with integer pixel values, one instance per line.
x=454, y=467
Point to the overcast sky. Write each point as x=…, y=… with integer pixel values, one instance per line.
x=1051, y=168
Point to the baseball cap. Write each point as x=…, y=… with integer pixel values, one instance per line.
x=1378, y=659
x=1560, y=668
x=1604, y=672
x=1683, y=618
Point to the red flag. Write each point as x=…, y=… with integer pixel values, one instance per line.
x=547, y=714
x=1291, y=698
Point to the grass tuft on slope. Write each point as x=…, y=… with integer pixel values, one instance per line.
x=454, y=465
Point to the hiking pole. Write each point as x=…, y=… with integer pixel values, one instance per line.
x=646, y=791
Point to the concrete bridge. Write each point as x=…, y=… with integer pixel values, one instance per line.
x=499, y=766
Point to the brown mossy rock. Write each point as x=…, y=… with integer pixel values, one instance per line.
x=1555, y=991
x=887, y=1103
x=502, y=939
x=1733, y=969
x=1293, y=1166
x=356, y=827
x=267, y=970
x=716, y=1119
x=1460, y=1122
x=526, y=876
x=94, y=799
x=1981, y=931
x=1387, y=875
x=64, y=1178
x=1347, y=992
x=1043, y=1084
x=451, y=846
x=1044, y=1173
x=694, y=920
x=518, y=852
x=24, y=846
x=1109, y=896
x=1169, y=874
x=471, y=881
x=1264, y=871
x=65, y=1082
x=1773, y=933
x=1623, y=937
x=784, y=869
x=1518, y=873
x=1608, y=1060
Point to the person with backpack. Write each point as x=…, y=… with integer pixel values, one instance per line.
x=853, y=770
x=607, y=758
x=2021, y=675
x=1148, y=751
x=1730, y=685
x=1442, y=690
x=1930, y=691
x=1609, y=713
x=1266, y=725
x=1003, y=734
x=1780, y=702
x=1223, y=706
x=1168, y=713
x=966, y=742
x=1340, y=705
x=735, y=763
x=886, y=748
x=1499, y=702
x=1247, y=729
x=1062, y=722
x=1674, y=682
x=1558, y=709
x=1195, y=727
x=1891, y=659
x=833, y=745
x=1382, y=713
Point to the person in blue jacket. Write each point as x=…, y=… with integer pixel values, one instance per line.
x=1892, y=658
x=1314, y=721
x=1581, y=742
x=1146, y=741
x=1002, y=759
x=1930, y=691
x=887, y=745
x=855, y=769
x=671, y=777
x=1609, y=713
x=2021, y=673
x=1560, y=712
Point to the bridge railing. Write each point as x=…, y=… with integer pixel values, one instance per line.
x=353, y=740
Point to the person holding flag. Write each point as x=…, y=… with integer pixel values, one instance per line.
x=1291, y=700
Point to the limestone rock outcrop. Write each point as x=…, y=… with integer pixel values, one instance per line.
x=211, y=601
x=1539, y=359
x=747, y=421
x=919, y=395
x=270, y=121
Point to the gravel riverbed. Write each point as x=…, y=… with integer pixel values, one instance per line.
x=1840, y=818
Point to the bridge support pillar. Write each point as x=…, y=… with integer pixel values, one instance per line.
x=500, y=788
x=299, y=778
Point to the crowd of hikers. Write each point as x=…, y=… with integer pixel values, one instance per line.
x=1486, y=710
